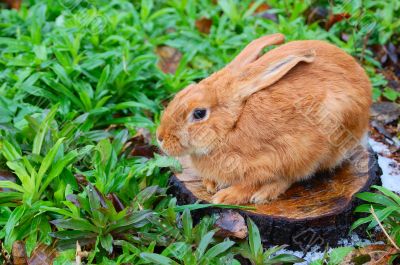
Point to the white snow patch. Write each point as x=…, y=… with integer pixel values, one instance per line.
x=310, y=256
x=316, y=253
x=378, y=147
x=390, y=168
x=356, y=241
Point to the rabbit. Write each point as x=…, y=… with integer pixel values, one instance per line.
x=266, y=121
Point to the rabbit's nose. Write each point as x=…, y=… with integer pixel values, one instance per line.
x=160, y=137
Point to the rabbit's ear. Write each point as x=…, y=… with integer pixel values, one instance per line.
x=261, y=75
x=252, y=51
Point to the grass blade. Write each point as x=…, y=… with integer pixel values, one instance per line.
x=44, y=126
x=157, y=259
x=47, y=162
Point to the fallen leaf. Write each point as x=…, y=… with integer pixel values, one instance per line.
x=370, y=255
x=15, y=4
x=144, y=150
x=392, y=52
x=231, y=224
x=381, y=129
x=390, y=74
x=6, y=175
x=263, y=11
x=19, y=253
x=385, y=126
x=169, y=59
x=261, y=8
x=42, y=255
x=385, y=112
x=380, y=53
x=204, y=25
x=393, y=146
x=335, y=18
x=140, y=144
x=316, y=13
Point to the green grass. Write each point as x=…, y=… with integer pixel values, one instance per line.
x=79, y=79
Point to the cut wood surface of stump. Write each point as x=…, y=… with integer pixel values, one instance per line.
x=318, y=211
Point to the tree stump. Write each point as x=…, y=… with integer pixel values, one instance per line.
x=318, y=211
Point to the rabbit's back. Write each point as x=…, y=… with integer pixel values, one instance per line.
x=314, y=115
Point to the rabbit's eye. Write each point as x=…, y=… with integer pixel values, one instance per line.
x=199, y=114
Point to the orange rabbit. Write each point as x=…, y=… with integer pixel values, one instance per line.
x=266, y=121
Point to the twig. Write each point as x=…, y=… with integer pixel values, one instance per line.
x=364, y=47
x=80, y=254
x=383, y=229
x=379, y=261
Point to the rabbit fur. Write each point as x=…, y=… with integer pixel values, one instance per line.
x=270, y=120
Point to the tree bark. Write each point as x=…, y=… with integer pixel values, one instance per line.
x=318, y=211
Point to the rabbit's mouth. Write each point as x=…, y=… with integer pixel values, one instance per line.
x=173, y=147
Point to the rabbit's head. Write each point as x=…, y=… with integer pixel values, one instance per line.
x=201, y=116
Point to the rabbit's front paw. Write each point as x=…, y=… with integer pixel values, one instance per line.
x=268, y=192
x=236, y=194
x=211, y=185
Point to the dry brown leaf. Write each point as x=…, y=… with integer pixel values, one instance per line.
x=15, y=4
x=169, y=59
x=231, y=224
x=6, y=175
x=370, y=255
x=140, y=144
x=335, y=18
x=263, y=11
x=393, y=79
x=204, y=25
x=261, y=8
x=385, y=112
x=19, y=253
x=379, y=137
x=316, y=14
x=144, y=150
x=42, y=255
